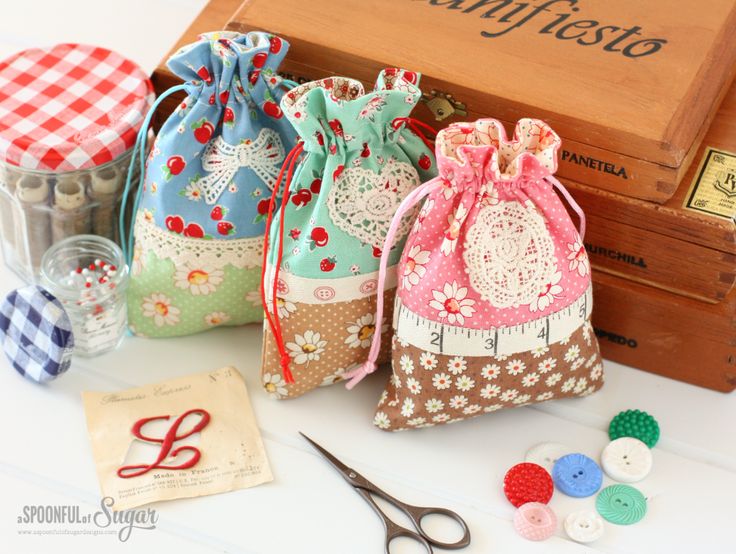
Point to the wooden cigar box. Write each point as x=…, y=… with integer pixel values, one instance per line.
x=630, y=86
x=686, y=245
x=666, y=333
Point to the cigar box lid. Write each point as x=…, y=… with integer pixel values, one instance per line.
x=70, y=107
x=630, y=78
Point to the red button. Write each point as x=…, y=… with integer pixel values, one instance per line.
x=527, y=482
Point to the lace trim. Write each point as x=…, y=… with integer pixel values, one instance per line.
x=216, y=254
x=509, y=254
x=222, y=161
x=362, y=203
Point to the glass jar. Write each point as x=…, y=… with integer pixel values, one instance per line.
x=64, y=158
x=41, y=208
x=88, y=275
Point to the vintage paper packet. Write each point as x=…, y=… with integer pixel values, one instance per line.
x=219, y=444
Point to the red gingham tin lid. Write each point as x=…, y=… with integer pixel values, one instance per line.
x=70, y=106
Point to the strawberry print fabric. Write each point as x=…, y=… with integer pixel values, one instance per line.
x=360, y=161
x=493, y=273
x=208, y=182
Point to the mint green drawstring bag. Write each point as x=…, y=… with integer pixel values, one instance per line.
x=359, y=155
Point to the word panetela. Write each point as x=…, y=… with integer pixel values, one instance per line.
x=555, y=18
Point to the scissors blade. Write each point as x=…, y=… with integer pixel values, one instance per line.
x=349, y=474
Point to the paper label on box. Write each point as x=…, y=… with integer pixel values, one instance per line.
x=713, y=190
x=191, y=436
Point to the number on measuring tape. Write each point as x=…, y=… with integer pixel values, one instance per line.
x=584, y=307
x=437, y=339
x=544, y=333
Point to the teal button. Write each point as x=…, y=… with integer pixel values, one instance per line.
x=621, y=504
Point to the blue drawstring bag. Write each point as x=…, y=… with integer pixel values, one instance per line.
x=199, y=217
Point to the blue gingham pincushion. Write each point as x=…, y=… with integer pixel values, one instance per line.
x=36, y=333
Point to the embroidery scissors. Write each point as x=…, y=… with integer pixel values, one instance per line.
x=368, y=490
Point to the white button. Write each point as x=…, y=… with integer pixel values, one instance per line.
x=626, y=460
x=584, y=526
x=546, y=454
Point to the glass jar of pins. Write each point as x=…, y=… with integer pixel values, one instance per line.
x=88, y=275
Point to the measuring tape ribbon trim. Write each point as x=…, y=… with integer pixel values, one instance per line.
x=440, y=338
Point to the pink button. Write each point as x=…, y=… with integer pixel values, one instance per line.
x=535, y=521
x=324, y=293
x=369, y=286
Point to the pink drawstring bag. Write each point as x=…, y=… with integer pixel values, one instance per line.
x=494, y=292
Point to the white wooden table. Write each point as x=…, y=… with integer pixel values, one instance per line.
x=45, y=457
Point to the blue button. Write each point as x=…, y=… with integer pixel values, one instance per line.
x=577, y=475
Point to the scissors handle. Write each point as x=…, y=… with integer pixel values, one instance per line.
x=415, y=514
x=393, y=530
x=418, y=513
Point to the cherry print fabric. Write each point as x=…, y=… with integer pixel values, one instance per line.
x=360, y=161
x=198, y=234
x=493, y=255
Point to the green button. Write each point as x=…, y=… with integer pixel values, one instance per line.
x=621, y=504
x=637, y=424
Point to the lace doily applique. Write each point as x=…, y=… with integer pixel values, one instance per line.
x=264, y=156
x=362, y=203
x=509, y=254
x=240, y=253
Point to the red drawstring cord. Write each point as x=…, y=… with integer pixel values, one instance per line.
x=416, y=126
x=275, y=324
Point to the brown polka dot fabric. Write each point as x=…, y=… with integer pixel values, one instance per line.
x=429, y=389
x=323, y=341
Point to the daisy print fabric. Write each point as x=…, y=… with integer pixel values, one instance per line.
x=198, y=234
x=361, y=159
x=494, y=295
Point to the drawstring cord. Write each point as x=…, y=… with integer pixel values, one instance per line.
x=412, y=199
x=289, y=84
x=416, y=126
x=126, y=238
x=274, y=323
x=570, y=200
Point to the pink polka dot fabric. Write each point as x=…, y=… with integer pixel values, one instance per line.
x=493, y=245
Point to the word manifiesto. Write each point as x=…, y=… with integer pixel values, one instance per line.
x=555, y=18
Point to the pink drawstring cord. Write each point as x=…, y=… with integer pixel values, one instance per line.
x=570, y=200
x=356, y=375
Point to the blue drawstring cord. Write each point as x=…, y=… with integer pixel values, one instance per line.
x=126, y=238
x=289, y=84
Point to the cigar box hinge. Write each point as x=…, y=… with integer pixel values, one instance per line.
x=443, y=105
